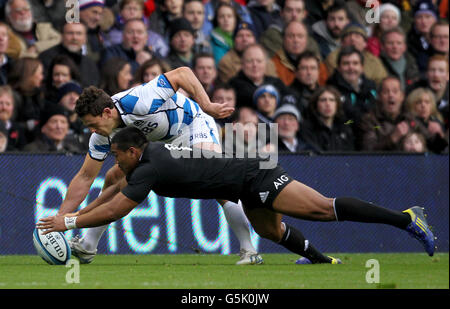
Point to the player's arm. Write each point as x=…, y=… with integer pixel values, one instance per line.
x=105, y=213
x=80, y=185
x=184, y=78
x=106, y=195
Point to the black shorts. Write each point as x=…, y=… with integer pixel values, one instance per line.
x=262, y=189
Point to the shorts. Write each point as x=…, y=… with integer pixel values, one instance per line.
x=262, y=189
x=203, y=129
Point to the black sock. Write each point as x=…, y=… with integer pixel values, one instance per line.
x=294, y=241
x=352, y=209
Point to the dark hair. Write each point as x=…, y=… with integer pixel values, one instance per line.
x=22, y=70
x=139, y=75
x=312, y=106
x=109, y=73
x=66, y=61
x=129, y=137
x=215, y=21
x=347, y=51
x=93, y=101
x=201, y=55
x=337, y=6
x=307, y=54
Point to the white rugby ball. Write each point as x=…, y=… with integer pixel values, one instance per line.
x=52, y=247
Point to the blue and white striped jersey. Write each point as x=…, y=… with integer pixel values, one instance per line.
x=154, y=108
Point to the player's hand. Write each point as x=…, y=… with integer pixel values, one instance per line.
x=218, y=110
x=51, y=224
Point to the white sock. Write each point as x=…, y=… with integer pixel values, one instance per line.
x=238, y=222
x=93, y=236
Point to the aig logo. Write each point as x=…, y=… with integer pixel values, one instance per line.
x=280, y=180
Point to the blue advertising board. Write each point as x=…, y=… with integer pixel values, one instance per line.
x=33, y=186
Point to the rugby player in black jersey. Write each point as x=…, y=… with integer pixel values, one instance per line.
x=266, y=194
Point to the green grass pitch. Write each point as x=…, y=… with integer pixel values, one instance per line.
x=194, y=271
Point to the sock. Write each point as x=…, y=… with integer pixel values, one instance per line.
x=352, y=209
x=92, y=237
x=238, y=222
x=294, y=241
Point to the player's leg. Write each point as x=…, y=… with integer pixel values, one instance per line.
x=301, y=201
x=86, y=248
x=239, y=224
x=267, y=224
x=205, y=135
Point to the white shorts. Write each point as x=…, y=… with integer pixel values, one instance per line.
x=203, y=129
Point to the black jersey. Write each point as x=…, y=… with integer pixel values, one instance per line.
x=162, y=170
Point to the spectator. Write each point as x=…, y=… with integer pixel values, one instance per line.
x=264, y=13
x=205, y=70
x=224, y=23
x=61, y=70
x=133, y=48
x=272, y=37
x=358, y=92
x=327, y=32
x=230, y=64
x=288, y=118
x=194, y=12
x=73, y=40
x=54, y=127
x=26, y=80
x=414, y=142
x=239, y=6
x=325, y=128
x=49, y=11
x=266, y=100
x=90, y=15
x=306, y=80
x=439, y=38
x=390, y=17
x=422, y=105
x=295, y=42
x=28, y=38
x=383, y=128
x=181, y=44
x=243, y=139
x=14, y=134
x=149, y=70
x=5, y=61
x=355, y=35
x=252, y=75
x=396, y=58
x=166, y=12
x=224, y=94
x=68, y=95
x=134, y=9
x=116, y=76
x=317, y=10
x=425, y=15
x=437, y=79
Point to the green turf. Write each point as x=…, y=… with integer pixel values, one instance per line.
x=403, y=271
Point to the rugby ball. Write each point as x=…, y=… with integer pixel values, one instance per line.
x=52, y=247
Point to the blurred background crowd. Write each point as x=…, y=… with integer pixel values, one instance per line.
x=336, y=76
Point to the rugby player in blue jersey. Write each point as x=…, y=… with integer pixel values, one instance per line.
x=162, y=113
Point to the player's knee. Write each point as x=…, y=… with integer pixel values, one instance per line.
x=326, y=211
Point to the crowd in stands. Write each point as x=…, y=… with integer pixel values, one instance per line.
x=334, y=75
